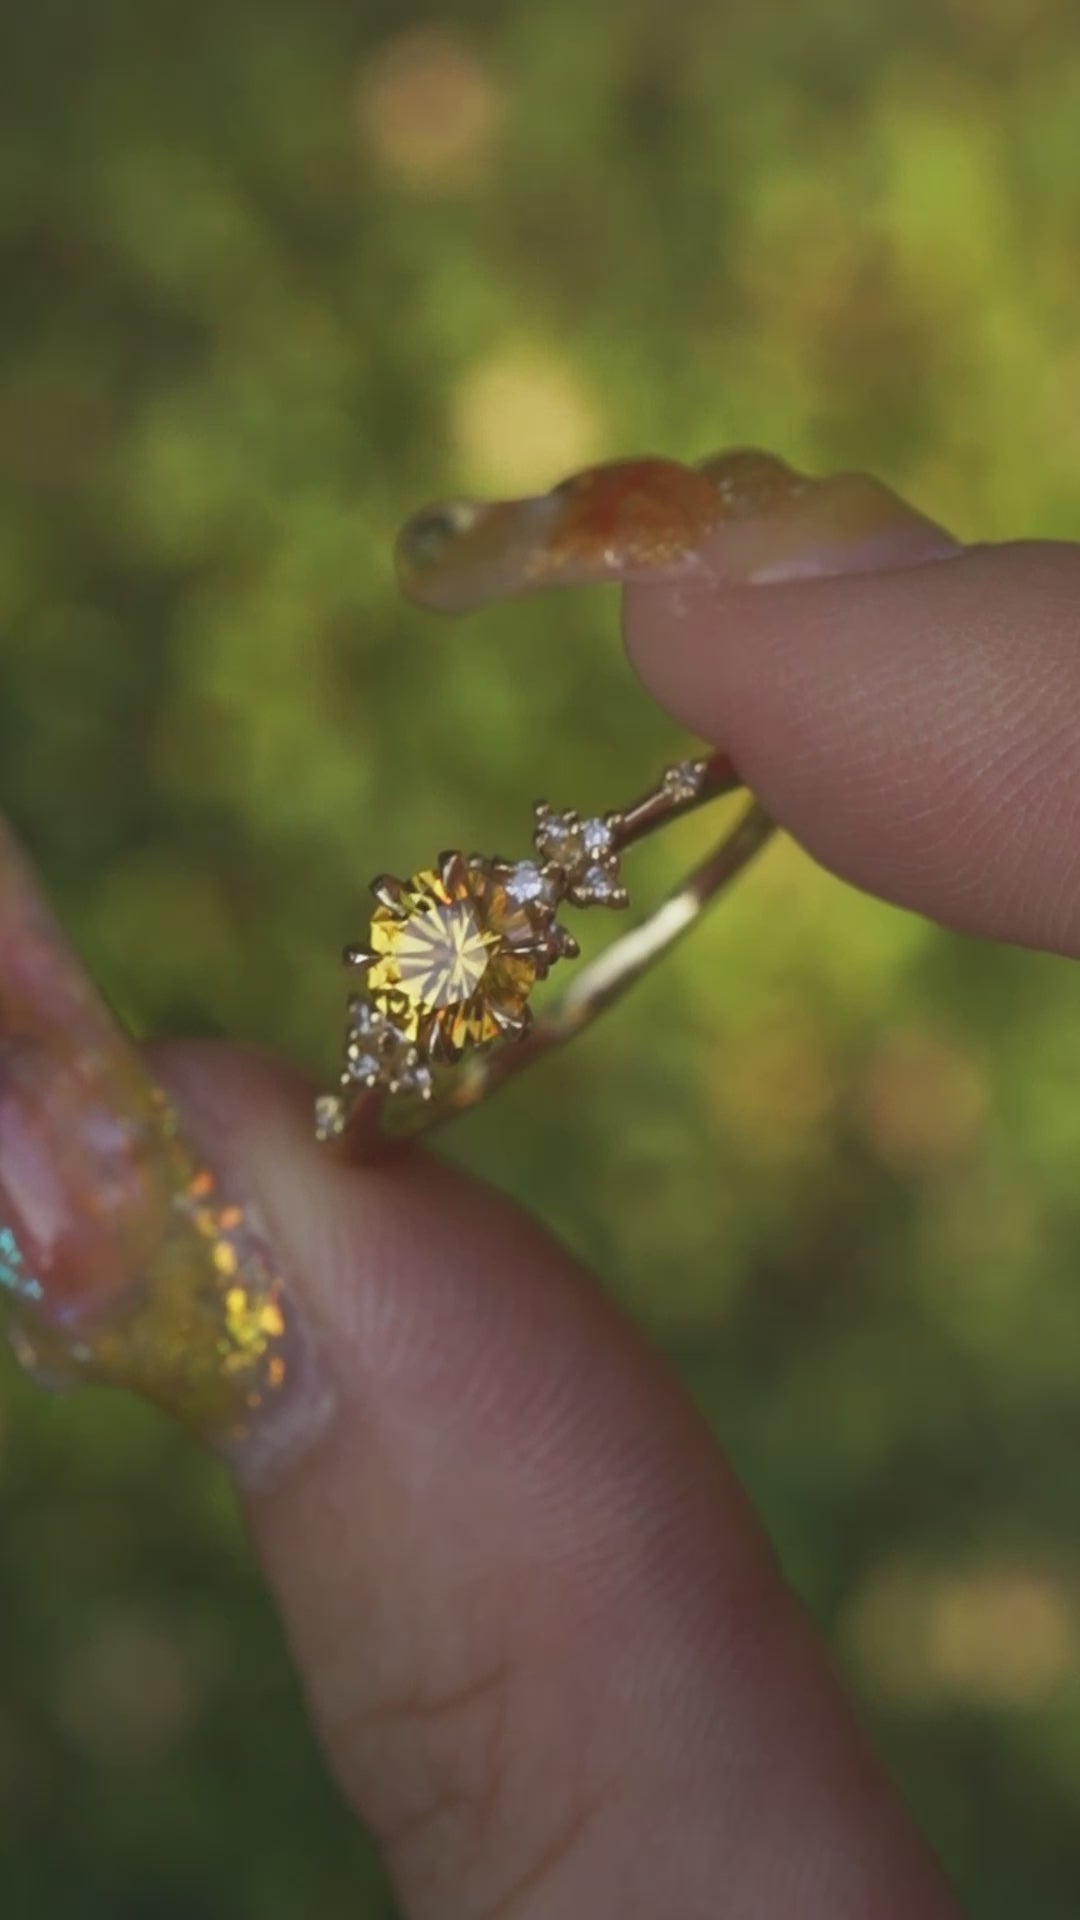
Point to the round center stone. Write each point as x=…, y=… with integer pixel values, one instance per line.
x=442, y=954
x=454, y=958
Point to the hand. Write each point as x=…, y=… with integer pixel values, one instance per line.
x=548, y=1653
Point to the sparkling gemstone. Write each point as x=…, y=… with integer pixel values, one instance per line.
x=363, y=1065
x=598, y=883
x=684, y=782
x=560, y=838
x=453, y=953
x=419, y=1081
x=329, y=1116
x=596, y=838
x=526, y=883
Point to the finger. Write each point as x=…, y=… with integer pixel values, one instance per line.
x=645, y=519
x=910, y=712
x=549, y=1654
x=550, y=1658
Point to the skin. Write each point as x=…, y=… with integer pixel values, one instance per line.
x=547, y=1650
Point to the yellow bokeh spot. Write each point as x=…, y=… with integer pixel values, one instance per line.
x=1004, y=1637
x=775, y=1084
x=523, y=418
x=429, y=110
x=923, y=1100
x=1001, y=1636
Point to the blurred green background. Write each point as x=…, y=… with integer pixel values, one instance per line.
x=272, y=277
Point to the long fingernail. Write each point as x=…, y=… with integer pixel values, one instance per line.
x=123, y=1261
x=776, y=524
x=743, y=516
x=629, y=518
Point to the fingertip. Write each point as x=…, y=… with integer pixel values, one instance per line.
x=913, y=729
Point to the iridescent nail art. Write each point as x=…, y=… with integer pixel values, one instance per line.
x=123, y=1261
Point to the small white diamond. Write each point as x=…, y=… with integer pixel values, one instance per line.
x=558, y=838
x=411, y=1077
x=329, y=1117
x=598, y=883
x=363, y=1065
x=596, y=838
x=526, y=883
x=685, y=781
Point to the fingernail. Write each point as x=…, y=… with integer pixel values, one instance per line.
x=743, y=516
x=123, y=1261
x=777, y=524
x=632, y=517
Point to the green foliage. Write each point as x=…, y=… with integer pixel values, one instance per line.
x=272, y=277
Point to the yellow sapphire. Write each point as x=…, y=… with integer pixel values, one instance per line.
x=454, y=956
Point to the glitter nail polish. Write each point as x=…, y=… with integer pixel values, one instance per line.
x=122, y=1261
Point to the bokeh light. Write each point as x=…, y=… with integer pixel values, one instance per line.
x=430, y=110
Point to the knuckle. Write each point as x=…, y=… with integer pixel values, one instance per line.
x=435, y=1770
x=447, y=1796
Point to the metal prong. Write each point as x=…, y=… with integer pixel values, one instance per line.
x=512, y=1023
x=441, y=1049
x=358, y=956
x=389, y=892
x=453, y=870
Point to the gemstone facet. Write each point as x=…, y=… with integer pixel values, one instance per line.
x=527, y=883
x=454, y=952
x=596, y=838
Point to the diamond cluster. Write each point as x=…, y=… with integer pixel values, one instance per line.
x=685, y=780
x=581, y=856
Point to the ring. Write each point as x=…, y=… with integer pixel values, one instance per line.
x=453, y=954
